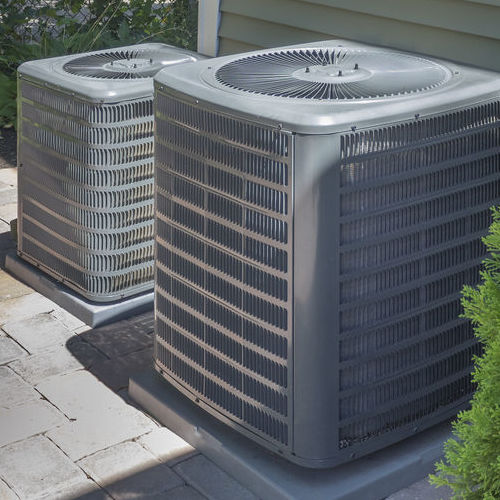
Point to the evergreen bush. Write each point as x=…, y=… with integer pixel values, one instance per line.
x=472, y=460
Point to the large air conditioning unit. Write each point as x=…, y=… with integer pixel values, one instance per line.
x=318, y=209
x=85, y=155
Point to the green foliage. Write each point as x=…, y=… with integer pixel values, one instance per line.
x=36, y=29
x=472, y=460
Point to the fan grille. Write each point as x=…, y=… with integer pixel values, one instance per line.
x=332, y=74
x=118, y=64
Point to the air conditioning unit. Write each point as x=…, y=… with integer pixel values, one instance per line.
x=318, y=209
x=85, y=152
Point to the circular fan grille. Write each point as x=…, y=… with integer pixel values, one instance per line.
x=336, y=73
x=118, y=65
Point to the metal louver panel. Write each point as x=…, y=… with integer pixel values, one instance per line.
x=223, y=264
x=414, y=204
x=86, y=191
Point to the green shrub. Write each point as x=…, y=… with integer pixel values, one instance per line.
x=472, y=460
x=35, y=29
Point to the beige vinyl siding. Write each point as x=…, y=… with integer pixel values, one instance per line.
x=467, y=31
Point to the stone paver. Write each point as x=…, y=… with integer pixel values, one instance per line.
x=56, y=360
x=96, y=432
x=100, y=417
x=211, y=481
x=8, y=212
x=11, y=288
x=80, y=394
x=8, y=176
x=14, y=390
x=118, y=339
x=166, y=446
x=116, y=372
x=86, y=490
x=185, y=493
x=8, y=194
x=128, y=471
x=38, y=332
x=35, y=468
x=67, y=319
x=9, y=350
x=6, y=493
x=26, y=306
x=26, y=420
x=422, y=490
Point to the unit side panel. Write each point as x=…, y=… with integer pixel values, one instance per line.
x=415, y=201
x=86, y=191
x=223, y=264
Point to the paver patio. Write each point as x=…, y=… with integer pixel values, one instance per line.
x=67, y=427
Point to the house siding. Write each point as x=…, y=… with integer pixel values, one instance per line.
x=465, y=31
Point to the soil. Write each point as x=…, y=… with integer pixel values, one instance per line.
x=8, y=147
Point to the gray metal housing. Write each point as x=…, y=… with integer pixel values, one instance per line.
x=85, y=155
x=310, y=253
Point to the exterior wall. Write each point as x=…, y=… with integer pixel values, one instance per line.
x=466, y=31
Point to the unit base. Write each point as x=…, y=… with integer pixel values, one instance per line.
x=271, y=477
x=91, y=313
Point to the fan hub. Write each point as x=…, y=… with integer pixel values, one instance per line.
x=331, y=73
x=136, y=64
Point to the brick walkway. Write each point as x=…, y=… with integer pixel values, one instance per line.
x=67, y=426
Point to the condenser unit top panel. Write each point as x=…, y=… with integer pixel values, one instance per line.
x=107, y=75
x=331, y=86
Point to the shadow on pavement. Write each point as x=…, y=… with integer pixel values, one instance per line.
x=126, y=347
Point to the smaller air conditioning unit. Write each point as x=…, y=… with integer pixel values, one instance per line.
x=85, y=155
x=318, y=209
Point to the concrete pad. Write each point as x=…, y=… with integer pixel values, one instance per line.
x=35, y=468
x=11, y=288
x=422, y=490
x=6, y=493
x=91, y=313
x=271, y=477
x=128, y=471
x=97, y=431
x=10, y=350
x=211, y=481
x=56, y=360
x=14, y=390
x=28, y=419
x=166, y=446
x=22, y=307
x=38, y=332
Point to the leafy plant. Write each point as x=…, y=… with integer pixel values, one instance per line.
x=36, y=29
x=472, y=460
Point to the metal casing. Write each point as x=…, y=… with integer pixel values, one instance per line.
x=310, y=255
x=85, y=155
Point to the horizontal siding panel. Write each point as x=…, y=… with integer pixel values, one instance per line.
x=247, y=31
x=453, y=15
x=267, y=23
x=230, y=46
